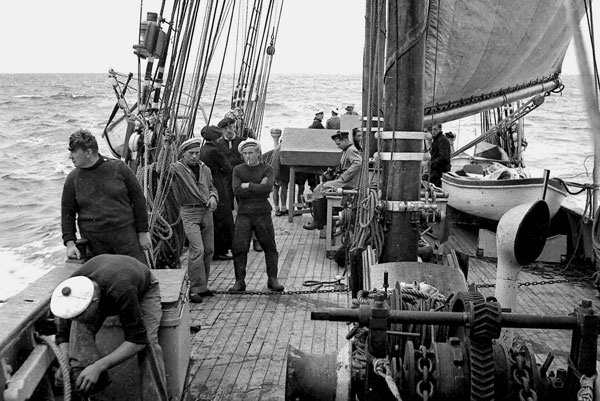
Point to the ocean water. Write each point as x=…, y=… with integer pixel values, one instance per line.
x=38, y=112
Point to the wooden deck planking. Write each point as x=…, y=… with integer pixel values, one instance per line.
x=554, y=299
x=240, y=351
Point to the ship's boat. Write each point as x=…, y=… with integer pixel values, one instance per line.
x=490, y=199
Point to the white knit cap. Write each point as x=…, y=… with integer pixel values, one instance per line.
x=71, y=297
x=248, y=142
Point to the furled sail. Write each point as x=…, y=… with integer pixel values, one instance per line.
x=482, y=53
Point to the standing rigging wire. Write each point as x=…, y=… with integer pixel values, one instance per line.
x=247, y=55
x=222, y=65
x=186, y=129
x=258, y=125
x=213, y=41
x=255, y=109
x=207, y=41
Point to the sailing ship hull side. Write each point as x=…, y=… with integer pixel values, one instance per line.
x=490, y=199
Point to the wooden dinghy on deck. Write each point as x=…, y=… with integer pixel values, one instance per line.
x=490, y=199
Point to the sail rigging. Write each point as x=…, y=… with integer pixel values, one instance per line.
x=179, y=48
x=476, y=54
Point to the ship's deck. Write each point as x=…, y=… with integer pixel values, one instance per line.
x=240, y=351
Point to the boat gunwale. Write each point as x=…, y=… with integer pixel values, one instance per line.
x=458, y=181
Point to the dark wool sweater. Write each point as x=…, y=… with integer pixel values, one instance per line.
x=255, y=199
x=104, y=197
x=123, y=280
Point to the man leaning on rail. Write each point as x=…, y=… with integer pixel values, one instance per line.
x=345, y=176
x=105, y=199
x=109, y=285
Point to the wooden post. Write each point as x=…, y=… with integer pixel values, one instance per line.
x=403, y=111
x=373, y=55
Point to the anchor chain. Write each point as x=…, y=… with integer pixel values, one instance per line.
x=522, y=375
x=545, y=282
x=292, y=292
x=425, y=367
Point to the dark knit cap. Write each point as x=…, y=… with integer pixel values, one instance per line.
x=211, y=133
x=341, y=135
x=226, y=122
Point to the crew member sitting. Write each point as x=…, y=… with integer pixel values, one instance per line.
x=346, y=176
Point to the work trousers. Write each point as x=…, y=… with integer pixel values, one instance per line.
x=83, y=351
x=262, y=226
x=199, y=229
x=122, y=241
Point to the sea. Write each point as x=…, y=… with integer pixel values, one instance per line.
x=38, y=113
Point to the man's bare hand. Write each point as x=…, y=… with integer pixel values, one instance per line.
x=88, y=377
x=145, y=242
x=72, y=251
x=212, y=204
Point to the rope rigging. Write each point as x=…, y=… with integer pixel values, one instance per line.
x=168, y=91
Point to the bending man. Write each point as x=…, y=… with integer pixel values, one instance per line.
x=109, y=285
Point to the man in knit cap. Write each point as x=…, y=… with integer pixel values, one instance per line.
x=220, y=167
x=252, y=184
x=198, y=199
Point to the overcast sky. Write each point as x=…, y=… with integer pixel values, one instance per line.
x=316, y=36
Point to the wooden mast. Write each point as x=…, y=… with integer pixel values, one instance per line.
x=403, y=118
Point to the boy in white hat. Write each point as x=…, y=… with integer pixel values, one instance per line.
x=109, y=285
x=252, y=185
x=318, y=120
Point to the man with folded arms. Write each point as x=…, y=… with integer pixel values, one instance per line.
x=252, y=184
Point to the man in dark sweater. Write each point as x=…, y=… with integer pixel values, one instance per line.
x=109, y=285
x=106, y=199
x=318, y=120
x=440, y=155
x=252, y=184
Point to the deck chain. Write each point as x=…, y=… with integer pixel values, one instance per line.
x=425, y=366
x=545, y=282
x=293, y=292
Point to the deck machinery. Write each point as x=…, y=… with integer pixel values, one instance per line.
x=455, y=350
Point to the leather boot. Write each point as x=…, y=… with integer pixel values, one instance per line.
x=319, y=210
x=240, y=285
x=240, y=278
x=273, y=284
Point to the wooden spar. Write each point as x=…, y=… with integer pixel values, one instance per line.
x=403, y=111
x=373, y=64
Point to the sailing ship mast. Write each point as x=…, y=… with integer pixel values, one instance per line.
x=403, y=127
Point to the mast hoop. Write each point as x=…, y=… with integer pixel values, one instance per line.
x=400, y=156
x=418, y=135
